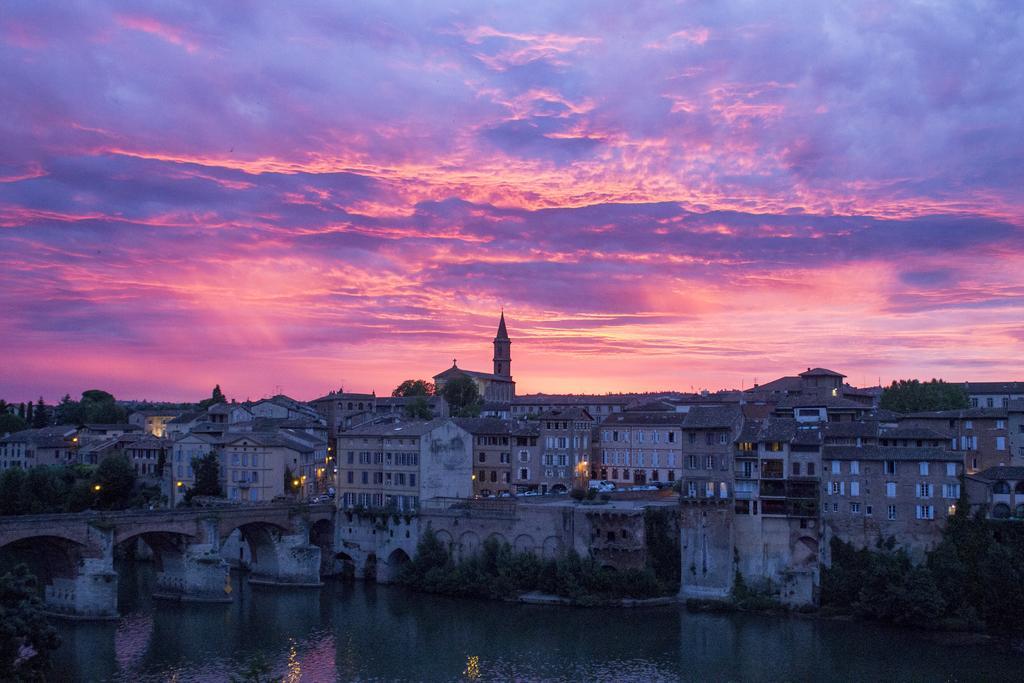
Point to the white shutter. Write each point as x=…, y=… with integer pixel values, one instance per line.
x=842, y=488
x=854, y=488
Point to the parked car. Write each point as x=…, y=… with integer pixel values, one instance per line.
x=603, y=486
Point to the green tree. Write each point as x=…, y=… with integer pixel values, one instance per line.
x=101, y=407
x=911, y=396
x=414, y=387
x=26, y=637
x=40, y=416
x=68, y=411
x=216, y=396
x=289, y=481
x=115, y=478
x=463, y=396
x=419, y=409
x=207, y=470
x=12, y=481
x=11, y=423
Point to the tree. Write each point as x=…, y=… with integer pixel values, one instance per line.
x=12, y=481
x=11, y=423
x=216, y=396
x=67, y=411
x=419, y=409
x=100, y=406
x=911, y=396
x=462, y=396
x=40, y=417
x=207, y=469
x=26, y=637
x=115, y=478
x=290, y=485
x=414, y=387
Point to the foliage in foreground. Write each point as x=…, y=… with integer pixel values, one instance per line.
x=499, y=572
x=973, y=580
x=26, y=637
x=73, y=488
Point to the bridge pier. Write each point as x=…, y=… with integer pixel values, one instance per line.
x=91, y=594
x=198, y=574
x=288, y=560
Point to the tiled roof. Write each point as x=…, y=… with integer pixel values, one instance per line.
x=994, y=387
x=1002, y=472
x=778, y=429
x=821, y=372
x=961, y=414
x=484, y=425
x=909, y=432
x=573, y=413
x=819, y=400
x=861, y=428
x=638, y=418
x=711, y=417
x=401, y=428
x=889, y=453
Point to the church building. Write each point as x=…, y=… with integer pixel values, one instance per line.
x=497, y=386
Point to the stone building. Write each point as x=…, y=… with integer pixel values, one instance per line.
x=980, y=435
x=492, y=454
x=873, y=493
x=998, y=491
x=148, y=455
x=565, y=449
x=707, y=451
x=641, y=447
x=527, y=472
x=1015, y=431
x=993, y=394
x=496, y=386
x=33, y=447
x=255, y=464
x=399, y=464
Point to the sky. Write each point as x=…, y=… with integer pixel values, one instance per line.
x=301, y=197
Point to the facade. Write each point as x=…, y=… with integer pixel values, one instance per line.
x=707, y=452
x=526, y=462
x=1015, y=431
x=496, y=386
x=980, y=435
x=255, y=465
x=640, y=447
x=599, y=407
x=565, y=441
x=877, y=492
x=180, y=471
x=153, y=422
x=999, y=492
x=400, y=464
x=492, y=454
x=993, y=394
x=33, y=447
x=148, y=455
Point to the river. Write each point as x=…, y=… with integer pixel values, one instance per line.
x=346, y=632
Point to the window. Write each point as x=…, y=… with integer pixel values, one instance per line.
x=722, y=437
x=835, y=467
x=1000, y=443
x=854, y=467
x=795, y=469
x=889, y=467
x=854, y=508
x=691, y=462
x=709, y=489
x=671, y=437
x=951, y=490
x=924, y=490
x=950, y=469
x=709, y=462
x=524, y=473
x=926, y=512
x=810, y=469
x=890, y=489
x=709, y=438
x=692, y=437
x=691, y=489
x=923, y=468
x=833, y=488
x=867, y=510
x=854, y=488
x=891, y=512
x=1000, y=424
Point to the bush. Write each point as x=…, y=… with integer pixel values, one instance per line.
x=577, y=494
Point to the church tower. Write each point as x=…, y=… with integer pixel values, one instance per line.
x=502, y=351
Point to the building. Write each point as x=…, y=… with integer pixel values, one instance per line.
x=33, y=447
x=707, y=451
x=874, y=493
x=399, y=464
x=998, y=491
x=492, y=454
x=598, y=406
x=641, y=447
x=565, y=439
x=184, y=451
x=262, y=466
x=496, y=386
x=148, y=455
x=153, y=422
x=980, y=435
x=993, y=394
x=1015, y=431
x=527, y=471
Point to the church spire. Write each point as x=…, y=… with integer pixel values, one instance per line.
x=502, y=350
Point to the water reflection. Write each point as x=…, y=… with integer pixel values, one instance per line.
x=364, y=632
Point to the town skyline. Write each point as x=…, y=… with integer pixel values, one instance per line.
x=349, y=197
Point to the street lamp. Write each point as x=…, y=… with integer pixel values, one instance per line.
x=96, y=488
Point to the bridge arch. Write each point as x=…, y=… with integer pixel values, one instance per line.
x=48, y=556
x=469, y=545
x=261, y=538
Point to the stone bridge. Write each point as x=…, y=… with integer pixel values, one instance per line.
x=73, y=554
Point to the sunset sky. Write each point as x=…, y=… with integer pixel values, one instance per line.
x=660, y=195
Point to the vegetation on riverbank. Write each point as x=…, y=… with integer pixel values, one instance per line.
x=499, y=572
x=112, y=485
x=26, y=637
x=972, y=581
